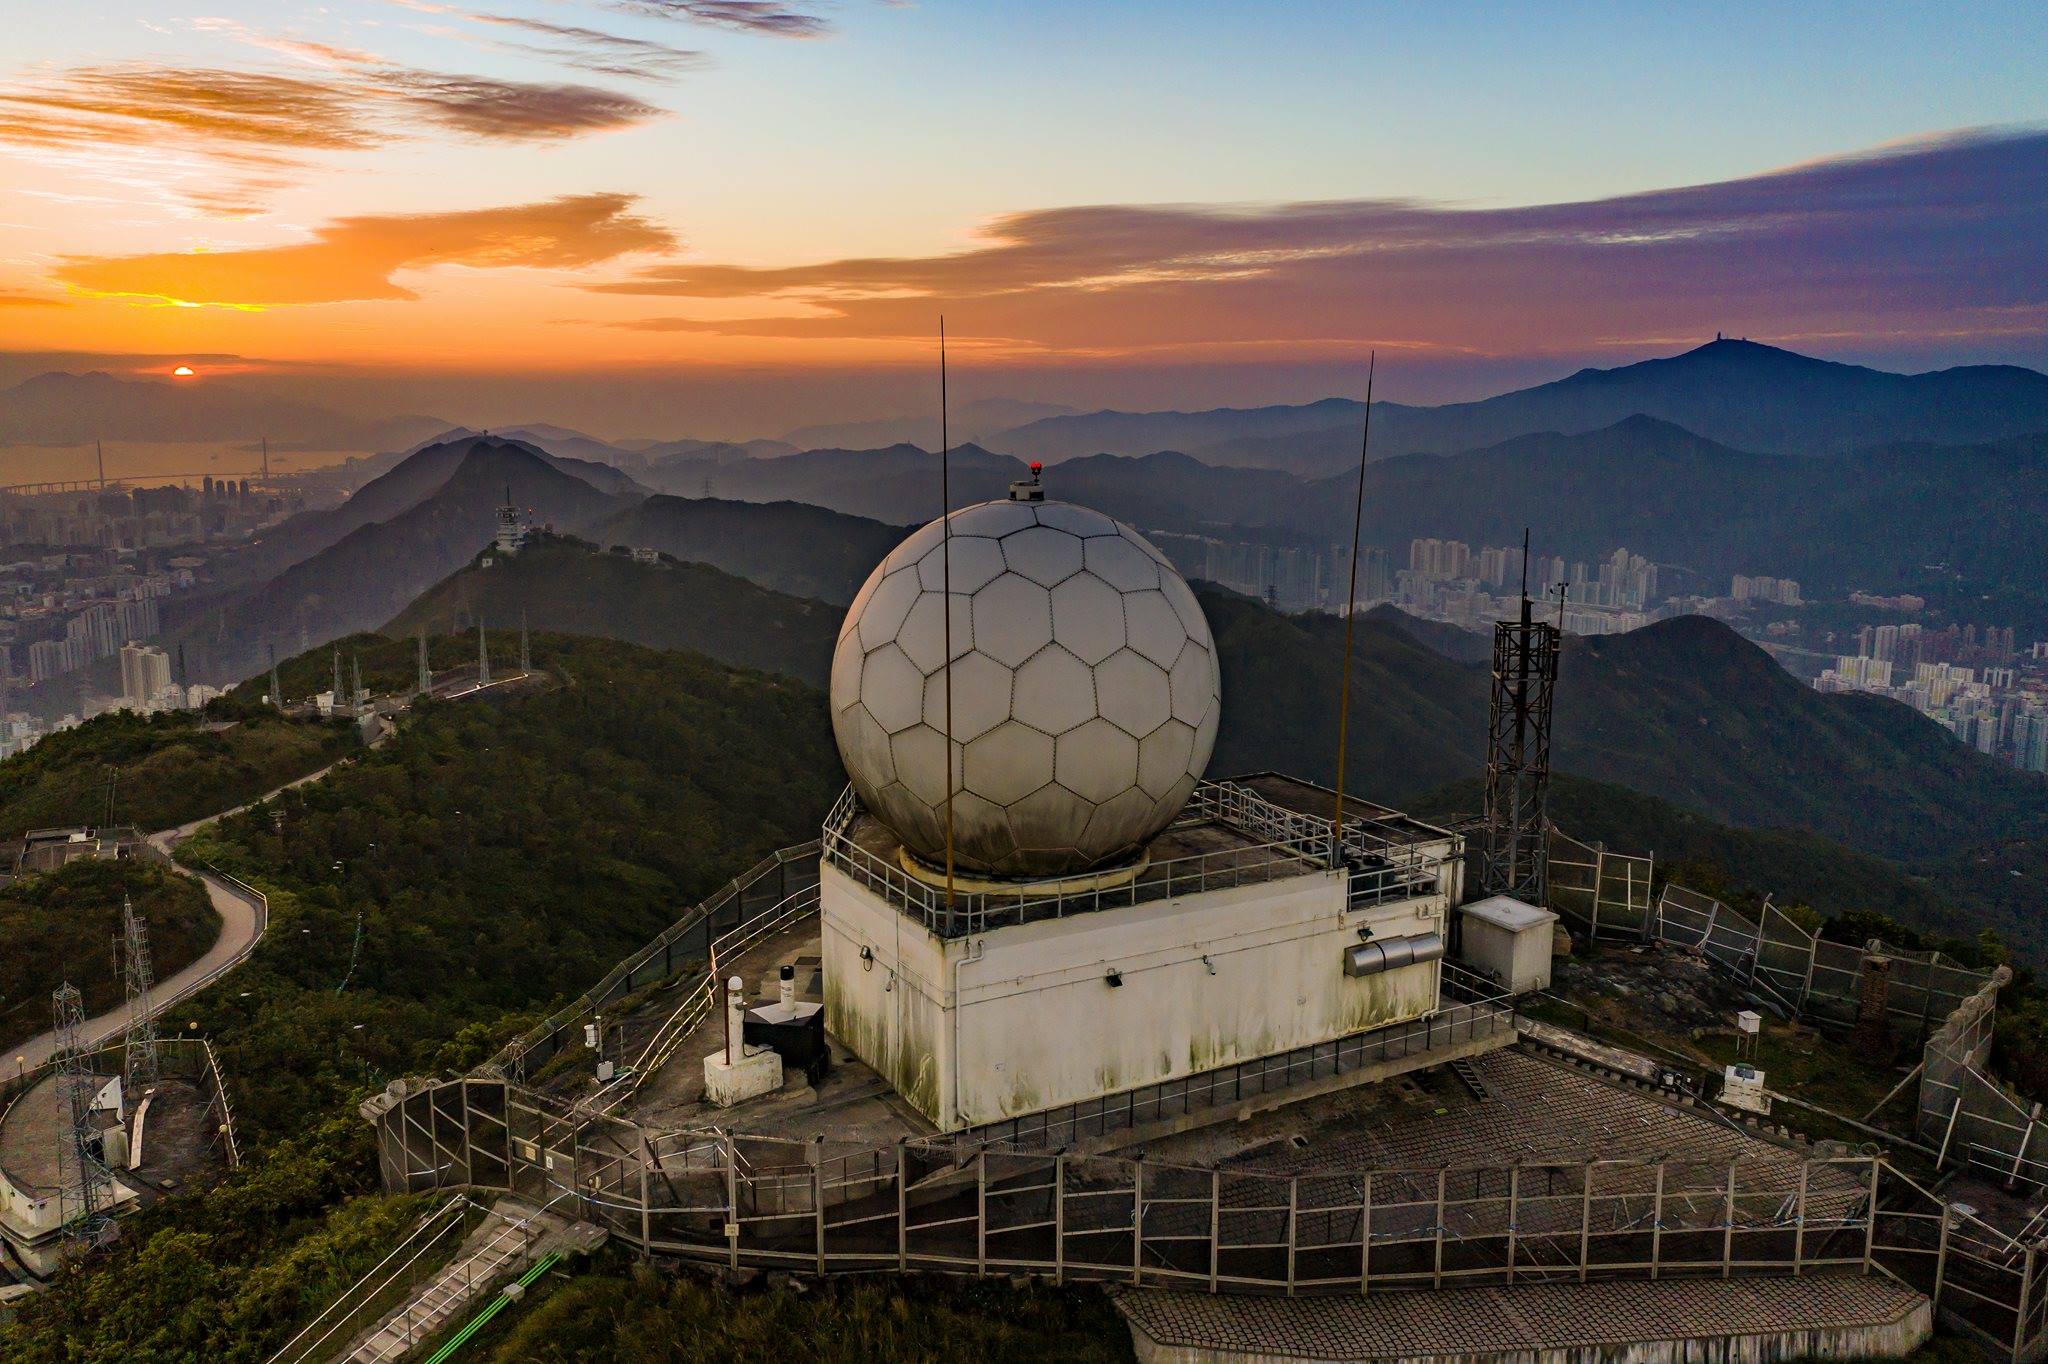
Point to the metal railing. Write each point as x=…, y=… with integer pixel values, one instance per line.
x=1290, y=844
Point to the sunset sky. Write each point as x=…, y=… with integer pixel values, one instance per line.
x=593, y=189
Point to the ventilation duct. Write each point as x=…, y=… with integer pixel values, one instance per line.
x=1391, y=954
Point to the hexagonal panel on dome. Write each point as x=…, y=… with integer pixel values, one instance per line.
x=1163, y=757
x=994, y=518
x=1074, y=519
x=1012, y=619
x=1131, y=693
x=1088, y=617
x=977, y=559
x=981, y=696
x=920, y=754
x=1008, y=763
x=1050, y=820
x=891, y=602
x=1120, y=563
x=1053, y=691
x=1193, y=683
x=891, y=688
x=1096, y=760
x=1122, y=821
x=923, y=636
x=1046, y=556
x=1154, y=627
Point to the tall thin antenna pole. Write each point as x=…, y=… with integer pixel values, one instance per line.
x=1351, y=618
x=100, y=453
x=946, y=596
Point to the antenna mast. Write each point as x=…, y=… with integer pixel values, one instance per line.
x=483, y=655
x=425, y=682
x=1350, y=619
x=83, y=1178
x=946, y=596
x=1515, y=860
x=140, y=1065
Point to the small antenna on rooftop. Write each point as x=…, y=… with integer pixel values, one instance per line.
x=946, y=598
x=1351, y=618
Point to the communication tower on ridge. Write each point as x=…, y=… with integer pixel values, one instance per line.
x=140, y=1065
x=1513, y=861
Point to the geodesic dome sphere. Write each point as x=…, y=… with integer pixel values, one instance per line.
x=1085, y=690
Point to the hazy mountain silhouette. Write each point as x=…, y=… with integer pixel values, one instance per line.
x=368, y=574
x=793, y=547
x=70, y=409
x=1739, y=393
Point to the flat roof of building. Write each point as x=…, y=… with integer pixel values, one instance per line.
x=1319, y=802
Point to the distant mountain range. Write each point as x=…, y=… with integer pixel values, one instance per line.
x=73, y=409
x=792, y=547
x=371, y=562
x=1739, y=393
x=970, y=421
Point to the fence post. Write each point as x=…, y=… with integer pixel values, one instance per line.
x=1365, y=1239
x=1599, y=878
x=646, y=1230
x=1436, y=1269
x=1059, y=1217
x=902, y=1207
x=1870, y=1218
x=1657, y=1223
x=818, y=1193
x=732, y=1202
x=1799, y=1220
x=981, y=1212
x=1215, y=1224
x=1514, y=1212
x=2020, y=1157
x=1293, y=1214
x=1941, y=1258
x=1585, y=1219
x=1728, y=1224
x=1941, y=1157
x=2019, y=1324
x=1138, y=1225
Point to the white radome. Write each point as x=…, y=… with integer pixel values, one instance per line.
x=1085, y=691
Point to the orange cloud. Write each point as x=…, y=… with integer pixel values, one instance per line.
x=259, y=126
x=355, y=258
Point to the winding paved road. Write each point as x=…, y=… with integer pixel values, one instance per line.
x=243, y=918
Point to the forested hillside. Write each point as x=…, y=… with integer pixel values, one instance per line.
x=161, y=770
x=501, y=855
x=57, y=927
x=570, y=586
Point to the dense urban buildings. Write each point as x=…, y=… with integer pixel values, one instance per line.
x=1975, y=683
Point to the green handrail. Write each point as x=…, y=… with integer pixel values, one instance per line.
x=489, y=1310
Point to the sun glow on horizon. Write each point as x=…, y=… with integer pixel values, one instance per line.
x=182, y=372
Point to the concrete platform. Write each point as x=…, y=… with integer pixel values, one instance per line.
x=1671, y=1321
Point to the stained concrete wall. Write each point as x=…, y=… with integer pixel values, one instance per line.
x=1209, y=979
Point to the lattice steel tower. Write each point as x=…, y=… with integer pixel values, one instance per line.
x=1513, y=860
x=140, y=1066
x=83, y=1180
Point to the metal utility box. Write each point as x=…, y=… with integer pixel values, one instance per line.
x=1509, y=941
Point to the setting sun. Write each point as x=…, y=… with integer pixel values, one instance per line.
x=182, y=372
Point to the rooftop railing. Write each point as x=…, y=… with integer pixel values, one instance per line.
x=1287, y=844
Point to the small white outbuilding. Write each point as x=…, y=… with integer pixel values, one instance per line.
x=1509, y=941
